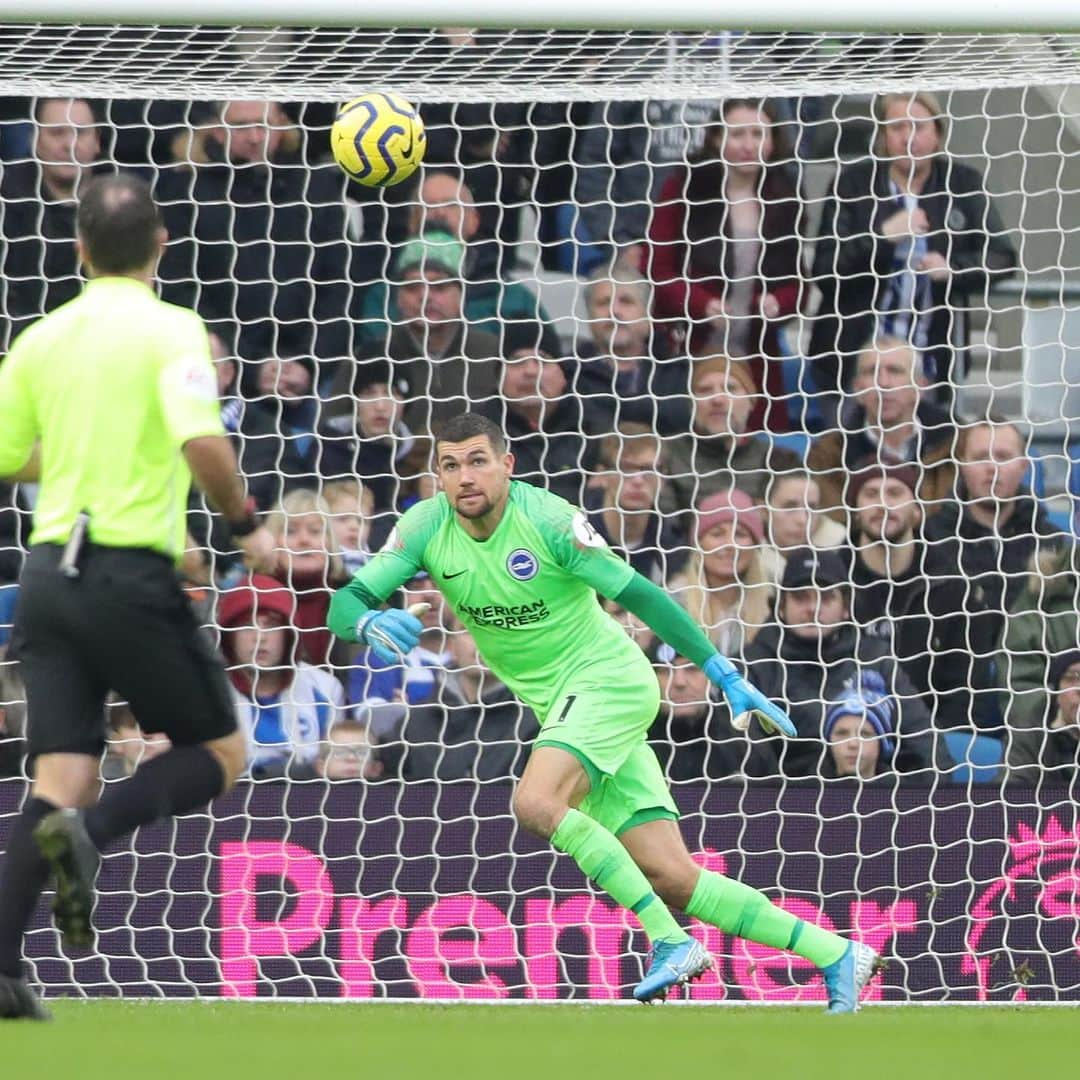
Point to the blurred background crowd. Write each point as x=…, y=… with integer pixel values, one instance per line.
x=747, y=337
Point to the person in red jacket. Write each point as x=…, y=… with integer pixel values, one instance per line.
x=723, y=247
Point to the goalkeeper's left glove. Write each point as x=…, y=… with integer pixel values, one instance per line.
x=746, y=700
x=392, y=634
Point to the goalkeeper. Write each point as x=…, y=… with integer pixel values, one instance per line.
x=521, y=568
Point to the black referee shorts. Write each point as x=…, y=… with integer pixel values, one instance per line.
x=124, y=624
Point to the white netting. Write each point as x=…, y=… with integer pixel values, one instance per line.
x=334, y=64
x=702, y=330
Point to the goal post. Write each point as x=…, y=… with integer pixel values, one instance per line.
x=372, y=852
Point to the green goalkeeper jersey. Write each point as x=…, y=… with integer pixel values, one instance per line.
x=527, y=593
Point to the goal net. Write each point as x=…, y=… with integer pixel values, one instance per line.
x=792, y=316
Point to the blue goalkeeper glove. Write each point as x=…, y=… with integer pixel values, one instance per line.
x=392, y=633
x=746, y=700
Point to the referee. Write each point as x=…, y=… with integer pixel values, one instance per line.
x=111, y=403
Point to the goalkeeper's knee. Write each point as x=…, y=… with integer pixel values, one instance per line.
x=538, y=813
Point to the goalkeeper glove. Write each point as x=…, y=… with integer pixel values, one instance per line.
x=746, y=700
x=392, y=633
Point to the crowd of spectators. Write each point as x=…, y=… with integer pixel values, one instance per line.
x=877, y=563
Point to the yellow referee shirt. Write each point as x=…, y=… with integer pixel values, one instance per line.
x=113, y=383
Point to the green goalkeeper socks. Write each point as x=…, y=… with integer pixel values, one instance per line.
x=740, y=910
x=603, y=859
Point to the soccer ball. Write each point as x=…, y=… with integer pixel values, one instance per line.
x=378, y=139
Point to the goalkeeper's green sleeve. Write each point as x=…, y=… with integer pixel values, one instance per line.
x=348, y=605
x=666, y=619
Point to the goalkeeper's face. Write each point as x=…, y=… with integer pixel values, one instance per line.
x=475, y=478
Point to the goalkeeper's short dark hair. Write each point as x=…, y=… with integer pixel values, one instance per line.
x=468, y=426
x=118, y=223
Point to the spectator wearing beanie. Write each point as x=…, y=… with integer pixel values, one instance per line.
x=447, y=365
x=285, y=706
x=859, y=735
x=813, y=654
x=444, y=203
x=725, y=584
x=912, y=598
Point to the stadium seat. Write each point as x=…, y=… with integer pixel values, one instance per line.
x=1048, y=472
x=978, y=758
x=8, y=596
x=1073, y=486
x=795, y=441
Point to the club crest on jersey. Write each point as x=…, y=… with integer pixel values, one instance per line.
x=522, y=564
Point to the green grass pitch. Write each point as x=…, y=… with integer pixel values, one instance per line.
x=156, y=1040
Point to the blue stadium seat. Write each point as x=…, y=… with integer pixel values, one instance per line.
x=8, y=595
x=795, y=441
x=1035, y=477
x=978, y=757
x=1074, y=484
x=1037, y=482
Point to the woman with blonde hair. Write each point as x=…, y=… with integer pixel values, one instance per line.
x=908, y=243
x=725, y=583
x=309, y=563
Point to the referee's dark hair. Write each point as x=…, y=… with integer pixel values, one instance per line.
x=118, y=223
x=467, y=426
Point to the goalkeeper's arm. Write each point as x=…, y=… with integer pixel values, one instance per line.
x=348, y=606
x=672, y=624
x=390, y=633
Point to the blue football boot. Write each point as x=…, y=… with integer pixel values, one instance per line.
x=846, y=978
x=672, y=963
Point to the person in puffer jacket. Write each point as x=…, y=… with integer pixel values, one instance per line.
x=285, y=707
x=812, y=656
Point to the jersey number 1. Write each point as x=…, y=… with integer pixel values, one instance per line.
x=566, y=708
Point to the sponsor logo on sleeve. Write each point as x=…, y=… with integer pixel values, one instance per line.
x=584, y=534
x=196, y=379
x=522, y=564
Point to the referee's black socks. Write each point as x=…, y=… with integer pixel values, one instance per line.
x=180, y=780
x=24, y=875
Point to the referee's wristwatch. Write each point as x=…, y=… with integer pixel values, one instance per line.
x=248, y=523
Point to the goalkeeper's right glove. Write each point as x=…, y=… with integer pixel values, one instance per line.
x=746, y=700
x=392, y=633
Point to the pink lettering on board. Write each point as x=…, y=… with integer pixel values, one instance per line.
x=433, y=955
x=362, y=922
x=244, y=938
x=607, y=931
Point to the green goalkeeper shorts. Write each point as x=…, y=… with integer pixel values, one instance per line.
x=604, y=727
